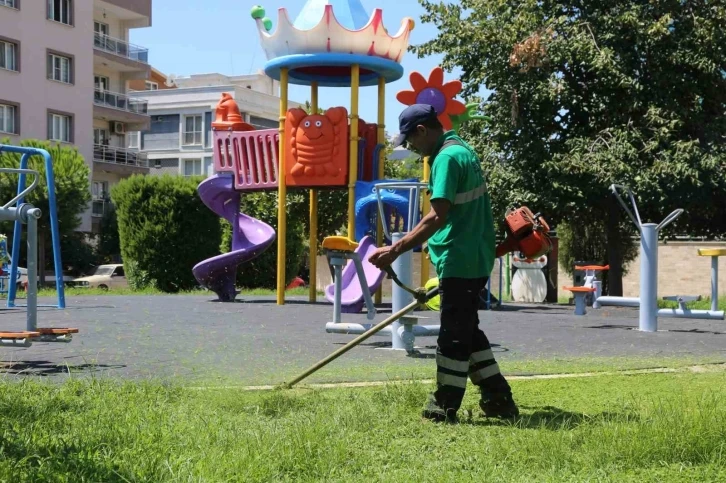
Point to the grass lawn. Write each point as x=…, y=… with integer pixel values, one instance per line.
x=639, y=428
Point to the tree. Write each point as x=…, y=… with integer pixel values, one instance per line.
x=590, y=94
x=71, y=176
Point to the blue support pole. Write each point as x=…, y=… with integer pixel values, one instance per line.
x=55, y=234
x=17, y=232
x=648, y=278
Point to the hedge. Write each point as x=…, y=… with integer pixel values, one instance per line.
x=164, y=230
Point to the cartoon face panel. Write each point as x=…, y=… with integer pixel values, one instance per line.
x=317, y=147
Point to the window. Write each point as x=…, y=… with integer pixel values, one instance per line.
x=9, y=3
x=60, y=127
x=100, y=28
x=133, y=139
x=61, y=11
x=119, y=272
x=100, y=82
x=192, y=130
x=99, y=190
x=8, y=119
x=59, y=68
x=8, y=55
x=192, y=167
x=152, y=86
x=100, y=136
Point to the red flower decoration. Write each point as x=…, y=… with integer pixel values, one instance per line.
x=435, y=93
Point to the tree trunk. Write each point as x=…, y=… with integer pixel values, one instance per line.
x=615, y=255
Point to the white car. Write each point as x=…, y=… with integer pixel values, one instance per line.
x=105, y=277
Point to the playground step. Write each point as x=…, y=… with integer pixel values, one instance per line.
x=56, y=334
x=18, y=339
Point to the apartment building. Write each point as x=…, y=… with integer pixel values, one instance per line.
x=65, y=66
x=179, y=138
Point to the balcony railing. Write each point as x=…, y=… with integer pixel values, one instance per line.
x=124, y=157
x=122, y=102
x=121, y=48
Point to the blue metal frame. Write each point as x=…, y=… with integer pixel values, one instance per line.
x=17, y=230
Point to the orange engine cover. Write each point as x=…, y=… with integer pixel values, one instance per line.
x=527, y=233
x=316, y=148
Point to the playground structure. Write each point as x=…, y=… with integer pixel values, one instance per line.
x=27, y=214
x=647, y=302
x=332, y=150
x=332, y=43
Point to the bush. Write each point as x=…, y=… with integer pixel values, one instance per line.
x=262, y=271
x=164, y=230
x=109, y=245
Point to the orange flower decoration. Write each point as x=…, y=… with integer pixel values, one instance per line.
x=435, y=93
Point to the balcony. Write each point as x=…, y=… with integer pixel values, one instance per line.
x=121, y=102
x=120, y=160
x=121, y=48
x=112, y=106
x=120, y=55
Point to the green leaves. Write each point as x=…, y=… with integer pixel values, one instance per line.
x=164, y=230
x=585, y=95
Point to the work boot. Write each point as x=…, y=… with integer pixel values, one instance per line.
x=499, y=407
x=437, y=414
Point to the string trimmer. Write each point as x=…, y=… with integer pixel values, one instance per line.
x=421, y=297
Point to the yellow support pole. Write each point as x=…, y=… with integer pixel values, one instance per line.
x=282, y=193
x=381, y=160
x=313, y=295
x=353, y=164
x=426, y=207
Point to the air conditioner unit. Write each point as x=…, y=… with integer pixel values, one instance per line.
x=119, y=128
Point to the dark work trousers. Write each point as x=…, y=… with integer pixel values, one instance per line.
x=463, y=350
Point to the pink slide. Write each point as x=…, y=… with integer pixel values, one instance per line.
x=352, y=301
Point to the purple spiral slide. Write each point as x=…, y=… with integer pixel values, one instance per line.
x=250, y=238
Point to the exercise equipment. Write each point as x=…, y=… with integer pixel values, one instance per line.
x=647, y=302
x=403, y=330
x=27, y=214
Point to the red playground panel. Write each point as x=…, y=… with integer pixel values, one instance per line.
x=316, y=148
x=368, y=132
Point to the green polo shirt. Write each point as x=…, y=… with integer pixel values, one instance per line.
x=464, y=247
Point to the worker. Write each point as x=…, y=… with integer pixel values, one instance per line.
x=459, y=230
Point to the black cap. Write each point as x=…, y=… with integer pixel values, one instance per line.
x=411, y=117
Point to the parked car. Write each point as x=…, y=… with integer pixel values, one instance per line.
x=104, y=277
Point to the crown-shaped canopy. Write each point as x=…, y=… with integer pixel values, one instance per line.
x=349, y=13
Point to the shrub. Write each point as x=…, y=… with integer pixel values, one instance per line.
x=164, y=230
x=109, y=245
